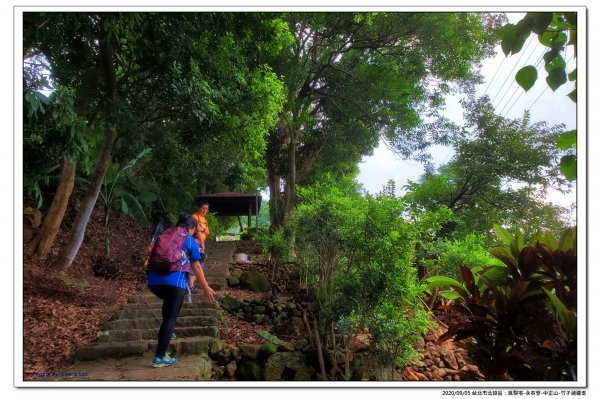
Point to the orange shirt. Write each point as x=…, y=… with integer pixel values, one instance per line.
x=201, y=235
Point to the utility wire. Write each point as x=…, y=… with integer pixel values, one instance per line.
x=511, y=73
x=495, y=73
x=537, y=67
x=546, y=88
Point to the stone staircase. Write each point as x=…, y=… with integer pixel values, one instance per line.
x=218, y=257
x=126, y=345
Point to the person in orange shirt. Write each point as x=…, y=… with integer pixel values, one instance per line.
x=202, y=232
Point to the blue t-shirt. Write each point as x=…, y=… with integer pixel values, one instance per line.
x=177, y=279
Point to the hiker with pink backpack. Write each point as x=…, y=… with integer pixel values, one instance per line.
x=172, y=257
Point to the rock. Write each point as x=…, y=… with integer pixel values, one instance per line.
x=420, y=364
x=217, y=346
x=421, y=376
x=218, y=370
x=449, y=359
x=236, y=353
x=456, y=377
x=441, y=364
x=250, y=351
x=267, y=350
x=223, y=357
x=409, y=375
x=300, y=344
x=297, y=325
x=231, y=304
x=459, y=360
x=237, y=272
x=287, y=366
x=230, y=369
x=440, y=373
x=286, y=346
x=473, y=371
x=249, y=370
x=420, y=344
x=254, y=281
x=233, y=281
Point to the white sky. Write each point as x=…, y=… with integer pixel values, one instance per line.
x=509, y=100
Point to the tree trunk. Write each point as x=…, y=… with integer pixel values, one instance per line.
x=65, y=259
x=290, y=186
x=44, y=240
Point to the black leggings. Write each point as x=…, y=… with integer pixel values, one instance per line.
x=172, y=299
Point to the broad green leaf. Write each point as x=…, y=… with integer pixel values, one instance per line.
x=550, y=241
x=568, y=167
x=573, y=75
x=507, y=34
x=446, y=282
x=566, y=319
x=131, y=206
x=559, y=41
x=524, y=26
x=567, y=140
x=541, y=20
x=526, y=77
x=573, y=95
x=503, y=234
x=555, y=62
x=547, y=38
x=452, y=295
x=568, y=239
x=556, y=78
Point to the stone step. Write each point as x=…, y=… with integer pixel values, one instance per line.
x=156, y=312
x=197, y=298
x=189, y=368
x=196, y=304
x=152, y=333
x=147, y=323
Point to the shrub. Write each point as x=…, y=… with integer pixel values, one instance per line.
x=522, y=326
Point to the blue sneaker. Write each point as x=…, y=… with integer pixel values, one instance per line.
x=173, y=337
x=164, y=361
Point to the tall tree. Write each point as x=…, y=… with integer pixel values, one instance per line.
x=353, y=78
x=499, y=175
x=161, y=74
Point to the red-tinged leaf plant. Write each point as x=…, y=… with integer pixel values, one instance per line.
x=520, y=325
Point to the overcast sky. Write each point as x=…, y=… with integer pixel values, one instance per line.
x=509, y=100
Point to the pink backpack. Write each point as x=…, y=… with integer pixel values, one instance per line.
x=167, y=255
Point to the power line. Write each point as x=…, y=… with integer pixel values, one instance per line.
x=513, y=68
x=495, y=73
x=546, y=88
x=511, y=72
x=537, y=67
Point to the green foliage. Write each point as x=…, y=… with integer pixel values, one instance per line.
x=498, y=175
x=449, y=255
x=114, y=193
x=522, y=325
x=357, y=253
x=555, y=31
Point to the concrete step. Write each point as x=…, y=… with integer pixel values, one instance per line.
x=152, y=322
x=196, y=304
x=152, y=333
x=149, y=313
x=189, y=368
x=197, y=297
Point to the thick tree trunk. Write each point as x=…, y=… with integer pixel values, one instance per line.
x=44, y=240
x=65, y=259
x=290, y=186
